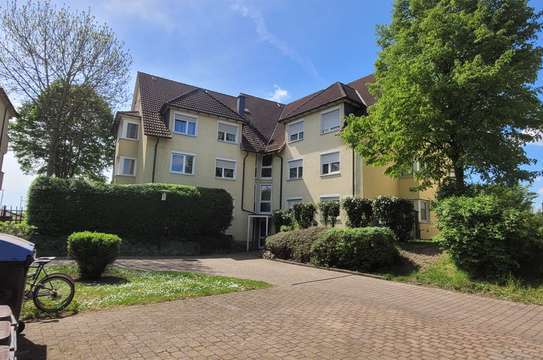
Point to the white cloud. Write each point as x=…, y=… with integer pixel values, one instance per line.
x=279, y=94
x=264, y=34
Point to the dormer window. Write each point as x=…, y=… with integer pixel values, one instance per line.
x=185, y=125
x=295, y=131
x=227, y=133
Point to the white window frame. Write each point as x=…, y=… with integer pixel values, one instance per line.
x=266, y=201
x=265, y=167
x=185, y=154
x=298, y=133
x=228, y=124
x=298, y=177
x=298, y=200
x=193, y=119
x=418, y=207
x=330, y=173
x=331, y=130
x=124, y=130
x=222, y=177
x=120, y=166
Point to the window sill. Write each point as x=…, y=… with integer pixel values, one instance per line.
x=294, y=141
x=188, y=135
x=334, y=174
x=329, y=131
x=126, y=175
x=228, y=142
x=295, y=179
x=180, y=173
x=223, y=178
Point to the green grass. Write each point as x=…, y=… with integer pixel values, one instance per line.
x=120, y=286
x=445, y=274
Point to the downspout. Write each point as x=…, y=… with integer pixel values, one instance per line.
x=354, y=175
x=4, y=119
x=243, y=184
x=280, y=183
x=154, y=160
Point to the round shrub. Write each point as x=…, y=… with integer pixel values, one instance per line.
x=293, y=245
x=282, y=218
x=396, y=214
x=93, y=251
x=359, y=211
x=359, y=249
x=329, y=212
x=304, y=214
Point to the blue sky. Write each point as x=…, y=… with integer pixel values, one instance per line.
x=274, y=49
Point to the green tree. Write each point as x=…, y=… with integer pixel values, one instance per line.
x=82, y=136
x=455, y=91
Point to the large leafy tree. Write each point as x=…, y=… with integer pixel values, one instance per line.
x=455, y=91
x=82, y=137
x=49, y=55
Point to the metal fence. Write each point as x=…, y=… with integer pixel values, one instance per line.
x=11, y=214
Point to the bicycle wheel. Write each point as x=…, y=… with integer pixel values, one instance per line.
x=54, y=293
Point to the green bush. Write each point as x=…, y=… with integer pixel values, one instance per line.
x=304, y=214
x=396, y=214
x=21, y=229
x=329, y=211
x=60, y=207
x=359, y=249
x=93, y=251
x=293, y=245
x=282, y=218
x=359, y=211
x=491, y=235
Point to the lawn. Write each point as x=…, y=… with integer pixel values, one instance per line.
x=121, y=286
x=443, y=273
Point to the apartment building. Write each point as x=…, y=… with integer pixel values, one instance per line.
x=267, y=155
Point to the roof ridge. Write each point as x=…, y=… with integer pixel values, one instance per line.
x=223, y=104
x=341, y=89
x=261, y=98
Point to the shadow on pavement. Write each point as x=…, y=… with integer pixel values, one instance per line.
x=27, y=350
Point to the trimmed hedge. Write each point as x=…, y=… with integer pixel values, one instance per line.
x=329, y=211
x=93, y=252
x=396, y=214
x=60, y=207
x=359, y=211
x=491, y=235
x=293, y=245
x=304, y=214
x=360, y=249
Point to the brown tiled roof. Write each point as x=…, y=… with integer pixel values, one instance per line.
x=361, y=85
x=336, y=91
x=203, y=101
x=8, y=103
x=262, y=130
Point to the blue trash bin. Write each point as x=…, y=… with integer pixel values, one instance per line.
x=16, y=255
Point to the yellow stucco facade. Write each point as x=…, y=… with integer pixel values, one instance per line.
x=202, y=149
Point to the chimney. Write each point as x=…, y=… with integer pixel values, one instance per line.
x=241, y=104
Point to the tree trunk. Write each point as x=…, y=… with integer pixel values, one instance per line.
x=459, y=178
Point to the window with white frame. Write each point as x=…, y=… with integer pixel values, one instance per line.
x=266, y=166
x=295, y=169
x=185, y=125
x=423, y=209
x=330, y=121
x=227, y=133
x=265, y=199
x=330, y=163
x=182, y=163
x=127, y=166
x=130, y=130
x=293, y=201
x=225, y=169
x=295, y=131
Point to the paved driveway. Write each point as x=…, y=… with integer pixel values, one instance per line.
x=309, y=313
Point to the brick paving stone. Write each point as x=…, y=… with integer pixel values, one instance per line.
x=307, y=314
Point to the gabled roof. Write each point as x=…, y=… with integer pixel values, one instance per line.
x=336, y=91
x=263, y=127
x=203, y=101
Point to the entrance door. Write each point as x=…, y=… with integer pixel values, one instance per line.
x=260, y=232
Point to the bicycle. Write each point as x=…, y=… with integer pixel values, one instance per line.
x=51, y=293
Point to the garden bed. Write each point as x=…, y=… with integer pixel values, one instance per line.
x=121, y=286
